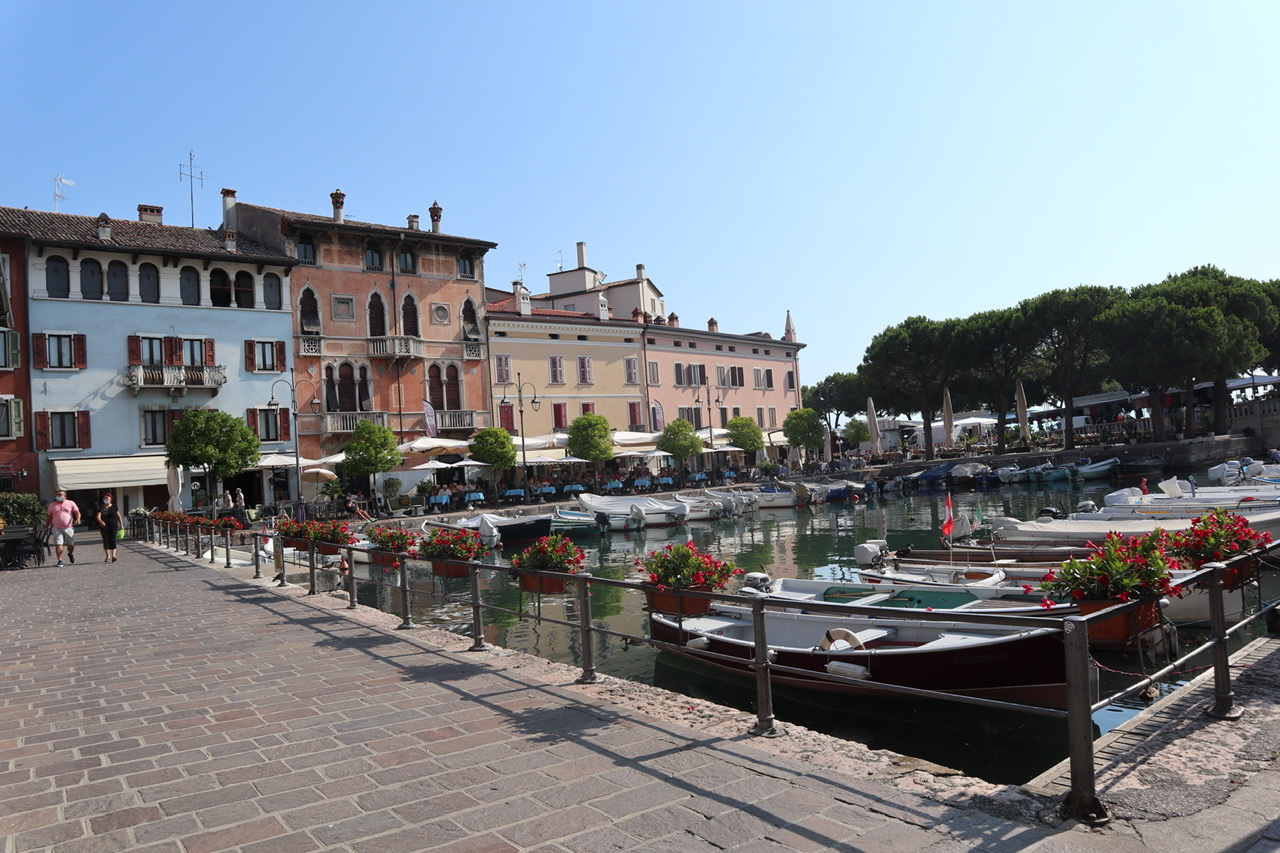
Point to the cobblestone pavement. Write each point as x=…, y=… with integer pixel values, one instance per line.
x=157, y=704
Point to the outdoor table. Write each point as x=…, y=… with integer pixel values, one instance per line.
x=575, y=487
x=547, y=490
x=613, y=485
x=698, y=476
x=10, y=539
x=643, y=483
x=666, y=481
x=475, y=496
x=513, y=493
x=441, y=500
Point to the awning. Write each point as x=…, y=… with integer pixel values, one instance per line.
x=110, y=472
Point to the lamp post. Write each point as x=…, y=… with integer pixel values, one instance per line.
x=536, y=403
x=697, y=401
x=274, y=407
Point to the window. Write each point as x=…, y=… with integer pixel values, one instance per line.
x=155, y=426
x=773, y=416
x=584, y=370
x=343, y=308
x=722, y=376
x=724, y=418
x=189, y=285
x=679, y=374
x=266, y=356
x=146, y=350
x=768, y=378
x=737, y=377
x=737, y=413
x=588, y=408
x=62, y=430
x=60, y=351
x=10, y=349
x=507, y=417
x=309, y=313
x=193, y=352
x=570, y=307
x=789, y=382
x=408, y=263
x=760, y=415
x=372, y=257
x=117, y=282
x=631, y=371
x=692, y=414
x=269, y=424
x=244, y=290
x=307, y=251
x=502, y=369
x=654, y=375
x=452, y=388
x=272, y=292
x=11, y=421
x=759, y=377
x=557, y=369
x=409, y=317
x=220, y=289
x=377, y=317
x=560, y=415
x=90, y=279
x=57, y=277
x=634, y=415
x=466, y=266
x=149, y=283
x=435, y=386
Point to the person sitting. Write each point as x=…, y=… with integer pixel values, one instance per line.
x=354, y=508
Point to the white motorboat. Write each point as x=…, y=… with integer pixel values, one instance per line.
x=646, y=511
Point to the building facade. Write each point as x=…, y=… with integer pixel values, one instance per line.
x=19, y=463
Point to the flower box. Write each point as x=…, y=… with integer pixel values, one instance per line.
x=384, y=558
x=668, y=601
x=297, y=544
x=555, y=553
x=542, y=585
x=1121, y=630
x=327, y=548
x=449, y=569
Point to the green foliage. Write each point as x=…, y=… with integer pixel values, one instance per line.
x=222, y=442
x=371, y=450
x=333, y=489
x=391, y=486
x=493, y=446
x=681, y=440
x=804, y=429
x=838, y=394
x=21, y=508
x=907, y=366
x=744, y=432
x=590, y=438
x=856, y=432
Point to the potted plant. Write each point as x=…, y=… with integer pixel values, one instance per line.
x=1121, y=568
x=683, y=566
x=293, y=534
x=555, y=553
x=392, y=543
x=446, y=546
x=1218, y=536
x=327, y=536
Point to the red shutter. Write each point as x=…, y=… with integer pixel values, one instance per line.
x=285, y=434
x=42, y=427
x=282, y=356
x=83, y=437
x=175, y=415
x=251, y=418
x=250, y=355
x=173, y=351
x=40, y=356
x=208, y=353
x=135, y=349
x=80, y=348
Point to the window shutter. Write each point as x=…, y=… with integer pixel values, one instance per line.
x=209, y=360
x=172, y=351
x=42, y=430
x=17, y=423
x=39, y=350
x=80, y=348
x=14, y=341
x=285, y=434
x=251, y=418
x=282, y=356
x=83, y=436
x=135, y=350
x=679, y=373
x=175, y=415
x=251, y=355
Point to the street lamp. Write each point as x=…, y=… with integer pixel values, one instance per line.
x=536, y=403
x=697, y=401
x=274, y=407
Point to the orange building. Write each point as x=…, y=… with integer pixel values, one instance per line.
x=19, y=463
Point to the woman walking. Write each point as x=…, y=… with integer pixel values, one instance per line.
x=110, y=523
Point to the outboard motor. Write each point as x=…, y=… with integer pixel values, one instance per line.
x=1086, y=506
x=602, y=521
x=870, y=553
x=1051, y=512
x=756, y=584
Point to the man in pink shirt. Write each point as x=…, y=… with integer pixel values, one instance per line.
x=63, y=517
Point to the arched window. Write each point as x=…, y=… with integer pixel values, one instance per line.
x=220, y=289
x=90, y=279
x=307, y=250
x=271, y=292
x=57, y=277
x=149, y=283
x=309, y=312
x=244, y=290
x=435, y=387
x=470, y=328
x=330, y=391
x=364, y=392
x=117, y=282
x=372, y=257
x=408, y=263
x=377, y=317
x=346, y=388
x=409, y=317
x=189, y=285
x=452, y=389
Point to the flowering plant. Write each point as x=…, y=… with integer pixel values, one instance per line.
x=393, y=539
x=449, y=543
x=334, y=532
x=1121, y=567
x=684, y=566
x=1216, y=536
x=230, y=522
x=551, y=554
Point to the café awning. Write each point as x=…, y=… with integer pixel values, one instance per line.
x=110, y=472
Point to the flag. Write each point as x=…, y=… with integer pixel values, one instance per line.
x=949, y=520
x=977, y=513
x=429, y=416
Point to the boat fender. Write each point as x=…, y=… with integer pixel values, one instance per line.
x=848, y=670
x=843, y=636
x=699, y=644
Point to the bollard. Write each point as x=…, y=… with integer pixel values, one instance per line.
x=1224, y=700
x=311, y=568
x=278, y=555
x=765, y=722
x=405, y=621
x=213, y=545
x=589, y=675
x=255, y=543
x=351, y=580
x=477, y=616
x=1082, y=801
x=228, y=535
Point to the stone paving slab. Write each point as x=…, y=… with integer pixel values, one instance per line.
x=162, y=704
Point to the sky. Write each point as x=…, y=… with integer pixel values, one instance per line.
x=853, y=163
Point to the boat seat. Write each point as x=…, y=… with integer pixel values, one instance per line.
x=875, y=635
x=844, y=595
x=955, y=638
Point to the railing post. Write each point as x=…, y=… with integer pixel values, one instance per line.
x=186, y=540
x=589, y=675
x=213, y=545
x=477, y=615
x=311, y=568
x=765, y=722
x=405, y=620
x=228, y=534
x=1224, y=700
x=277, y=551
x=351, y=578
x=255, y=543
x=1082, y=802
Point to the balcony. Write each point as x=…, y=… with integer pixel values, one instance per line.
x=346, y=421
x=175, y=378
x=455, y=419
x=397, y=346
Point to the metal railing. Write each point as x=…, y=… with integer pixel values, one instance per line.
x=1082, y=802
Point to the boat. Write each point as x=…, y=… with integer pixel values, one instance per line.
x=1151, y=466
x=574, y=523
x=935, y=477
x=845, y=490
x=898, y=600
x=1025, y=665
x=1012, y=474
x=644, y=511
x=775, y=497
x=507, y=528
x=733, y=501
x=1235, y=472
x=701, y=508
x=968, y=475
x=1096, y=470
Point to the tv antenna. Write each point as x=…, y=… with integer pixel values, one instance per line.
x=521, y=267
x=192, y=174
x=560, y=261
x=58, y=183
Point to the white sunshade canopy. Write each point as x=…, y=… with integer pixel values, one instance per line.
x=427, y=446
x=110, y=472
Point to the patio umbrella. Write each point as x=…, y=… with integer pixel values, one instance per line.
x=340, y=456
x=427, y=446
x=948, y=417
x=431, y=465
x=873, y=426
x=175, y=488
x=543, y=460
x=469, y=463
x=1024, y=428
x=318, y=475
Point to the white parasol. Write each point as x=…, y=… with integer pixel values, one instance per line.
x=175, y=489
x=431, y=465
x=873, y=426
x=318, y=475
x=948, y=418
x=1024, y=427
x=427, y=446
x=469, y=463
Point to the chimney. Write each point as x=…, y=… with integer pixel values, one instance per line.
x=104, y=227
x=640, y=272
x=339, y=199
x=435, y=212
x=603, y=308
x=413, y=222
x=523, y=302
x=582, y=255
x=229, y=209
x=673, y=320
x=152, y=213
x=659, y=320
x=229, y=239
x=648, y=318
x=637, y=316
x=713, y=325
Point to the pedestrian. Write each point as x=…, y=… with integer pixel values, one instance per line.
x=239, y=499
x=228, y=502
x=63, y=516
x=110, y=524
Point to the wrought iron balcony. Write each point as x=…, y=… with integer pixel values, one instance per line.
x=175, y=378
x=456, y=419
x=397, y=346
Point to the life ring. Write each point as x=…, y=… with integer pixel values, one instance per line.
x=835, y=635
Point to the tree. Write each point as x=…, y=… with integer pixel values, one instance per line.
x=838, y=394
x=856, y=433
x=907, y=366
x=204, y=437
x=744, y=432
x=493, y=446
x=371, y=450
x=591, y=439
x=995, y=349
x=804, y=429
x=681, y=440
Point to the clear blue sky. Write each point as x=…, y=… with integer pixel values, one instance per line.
x=855, y=163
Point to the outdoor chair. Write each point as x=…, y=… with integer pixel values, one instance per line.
x=35, y=547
